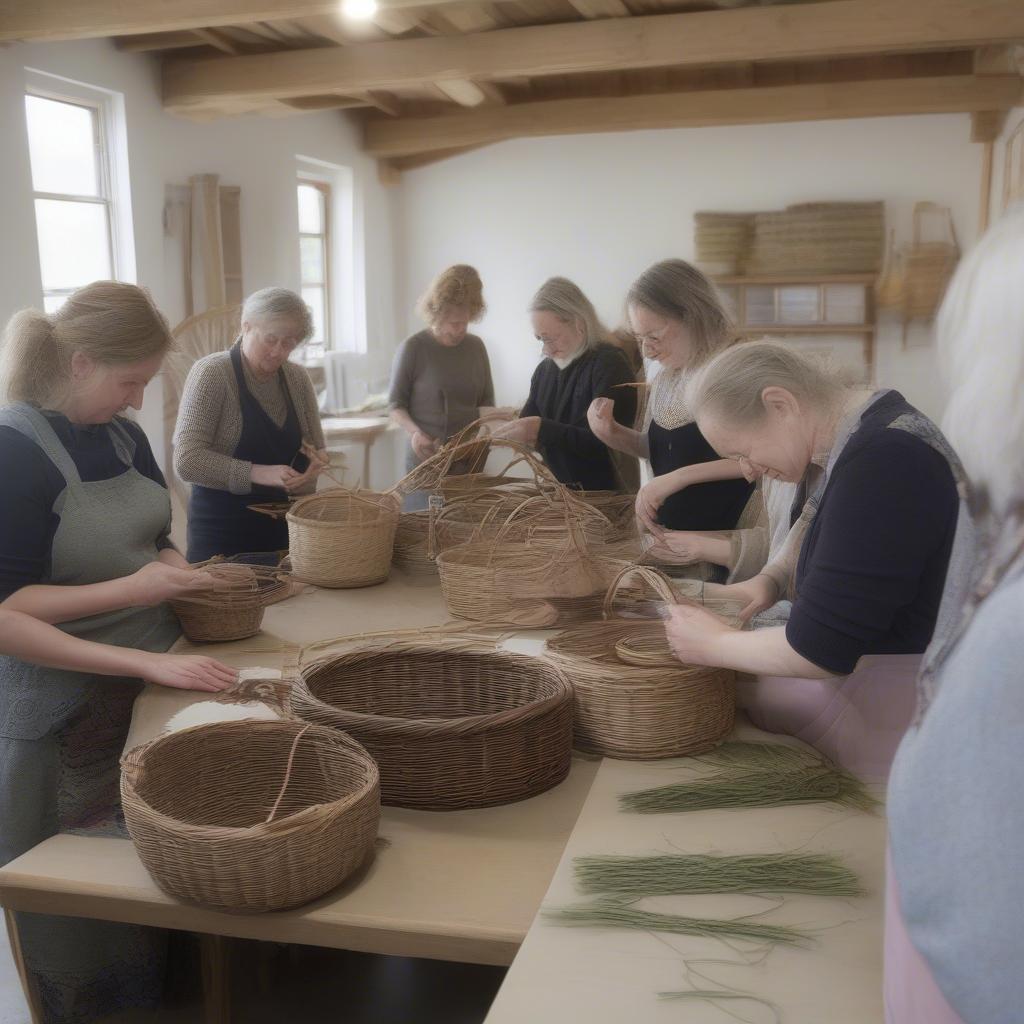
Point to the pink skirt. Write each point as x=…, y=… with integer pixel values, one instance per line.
x=911, y=995
x=856, y=720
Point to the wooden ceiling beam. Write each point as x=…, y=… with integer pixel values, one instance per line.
x=833, y=28
x=762, y=105
x=158, y=41
x=85, y=19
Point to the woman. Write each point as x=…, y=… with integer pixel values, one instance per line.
x=441, y=378
x=84, y=525
x=249, y=431
x=678, y=319
x=873, y=560
x=580, y=365
x=744, y=552
x=954, y=938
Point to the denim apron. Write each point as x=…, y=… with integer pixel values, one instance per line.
x=222, y=523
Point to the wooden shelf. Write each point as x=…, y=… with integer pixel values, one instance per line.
x=799, y=279
x=806, y=329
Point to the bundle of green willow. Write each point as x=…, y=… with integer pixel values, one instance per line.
x=615, y=914
x=686, y=874
x=756, y=775
x=715, y=995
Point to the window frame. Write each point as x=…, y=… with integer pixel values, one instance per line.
x=98, y=107
x=324, y=188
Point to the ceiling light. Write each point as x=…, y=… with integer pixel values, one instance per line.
x=359, y=10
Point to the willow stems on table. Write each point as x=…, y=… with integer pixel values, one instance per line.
x=685, y=874
x=755, y=775
x=614, y=914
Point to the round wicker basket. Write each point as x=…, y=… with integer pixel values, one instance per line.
x=342, y=538
x=451, y=723
x=627, y=708
x=232, y=607
x=251, y=815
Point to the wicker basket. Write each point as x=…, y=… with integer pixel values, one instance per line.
x=251, y=815
x=818, y=238
x=722, y=241
x=451, y=723
x=656, y=709
x=232, y=607
x=342, y=538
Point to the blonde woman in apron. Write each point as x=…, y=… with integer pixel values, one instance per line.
x=84, y=524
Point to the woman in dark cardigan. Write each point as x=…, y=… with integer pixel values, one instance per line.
x=579, y=366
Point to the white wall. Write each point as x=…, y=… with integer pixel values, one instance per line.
x=255, y=153
x=600, y=208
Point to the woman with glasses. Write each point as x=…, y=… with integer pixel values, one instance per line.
x=678, y=319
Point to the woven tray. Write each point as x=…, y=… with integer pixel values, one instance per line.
x=197, y=804
x=341, y=538
x=644, y=712
x=451, y=723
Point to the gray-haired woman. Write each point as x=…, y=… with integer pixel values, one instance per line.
x=247, y=423
x=580, y=365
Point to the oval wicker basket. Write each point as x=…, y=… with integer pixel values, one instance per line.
x=625, y=710
x=451, y=723
x=342, y=538
x=251, y=815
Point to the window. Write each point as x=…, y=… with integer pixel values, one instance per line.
x=314, y=248
x=71, y=184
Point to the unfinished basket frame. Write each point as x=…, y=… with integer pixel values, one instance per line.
x=232, y=608
x=452, y=722
x=341, y=538
x=251, y=815
x=625, y=710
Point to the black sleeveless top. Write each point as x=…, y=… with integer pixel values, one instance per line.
x=713, y=506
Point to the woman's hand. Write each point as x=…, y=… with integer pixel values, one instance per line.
x=524, y=430
x=282, y=477
x=423, y=445
x=759, y=593
x=650, y=498
x=691, y=632
x=187, y=672
x=157, y=582
x=680, y=547
x=601, y=420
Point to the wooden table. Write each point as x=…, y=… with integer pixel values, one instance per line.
x=612, y=976
x=467, y=885
x=362, y=430
x=458, y=885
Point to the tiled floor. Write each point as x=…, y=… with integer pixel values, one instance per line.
x=305, y=985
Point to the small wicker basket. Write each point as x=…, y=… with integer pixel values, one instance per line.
x=452, y=722
x=251, y=815
x=643, y=706
x=342, y=538
x=232, y=607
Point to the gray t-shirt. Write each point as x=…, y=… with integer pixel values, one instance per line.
x=440, y=386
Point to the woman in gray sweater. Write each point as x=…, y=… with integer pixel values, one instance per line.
x=245, y=417
x=441, y=378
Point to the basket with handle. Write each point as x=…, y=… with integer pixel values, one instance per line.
x=928, y=265
x=251, y=815
x=645, y=706
x=452, y=721
x=342, y=538
x=528, y=579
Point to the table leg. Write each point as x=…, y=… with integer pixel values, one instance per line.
x=214, y=953
x=27, y=984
